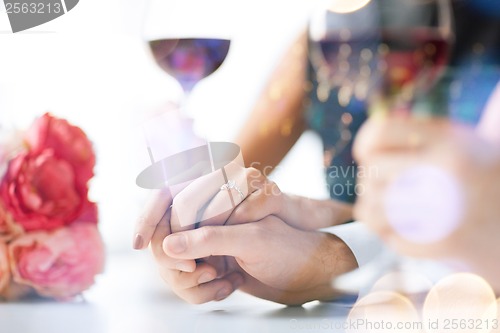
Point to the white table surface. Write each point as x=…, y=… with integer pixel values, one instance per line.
x=130, y=297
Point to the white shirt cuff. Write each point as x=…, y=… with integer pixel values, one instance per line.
x=368, y=247
x=364, y=244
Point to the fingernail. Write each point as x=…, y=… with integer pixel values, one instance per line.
x=223, y=293
x=176, y=243
x=183, y=266
x=205, y=277
x=138, y=242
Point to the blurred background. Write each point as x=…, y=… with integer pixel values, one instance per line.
x=92, y=67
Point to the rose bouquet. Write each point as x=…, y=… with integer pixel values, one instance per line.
x=49, y=240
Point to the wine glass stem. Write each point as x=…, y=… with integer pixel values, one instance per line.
x=185, y=113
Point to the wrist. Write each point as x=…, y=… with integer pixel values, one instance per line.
x=331, y=259
x=285, y=206
x=337, y=259
x=341, y=212
x=311, y=214
x=294, y=212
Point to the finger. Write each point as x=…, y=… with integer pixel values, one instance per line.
x=189, y=205
x=219, y=263
x=223, y=204
x=178, y=280
x=211, y=240
x=164, y=261
x=215, y=290
x=382, y=169
x=189, y=202
x=369, y=209
x=396, y=133
x=155, y=208
x=261, y=203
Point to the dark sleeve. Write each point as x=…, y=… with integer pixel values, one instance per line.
x=328, y=118
x=342, y=171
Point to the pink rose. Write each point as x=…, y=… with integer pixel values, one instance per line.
x=67, y=142
x=60, y=264
x=4, y=267
x=41, y=192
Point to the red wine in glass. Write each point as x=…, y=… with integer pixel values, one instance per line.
x=189, y=60
x=393, y=63
x=412, y=61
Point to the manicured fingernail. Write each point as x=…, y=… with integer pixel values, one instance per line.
x=138, y=242
x=176, y=243
x=183, y=266
x=223, y=293
x=205, y=277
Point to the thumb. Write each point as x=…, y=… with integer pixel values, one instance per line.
x=231, y=240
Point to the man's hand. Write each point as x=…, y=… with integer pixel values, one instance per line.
x=265, y=256
x=268, y=259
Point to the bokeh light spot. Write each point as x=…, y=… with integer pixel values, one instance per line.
x=404, y=282
x=460, y=302
x=384, y=311
x=347, y=6
x=424, y=204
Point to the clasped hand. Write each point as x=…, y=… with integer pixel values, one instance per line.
x=259, y=245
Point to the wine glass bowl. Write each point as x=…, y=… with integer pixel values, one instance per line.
x=188, y=39
x=384, y=53
x=189, y=60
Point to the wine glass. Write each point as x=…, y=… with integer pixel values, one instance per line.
x=388, y=54
x=189, y=40
x=384, y=52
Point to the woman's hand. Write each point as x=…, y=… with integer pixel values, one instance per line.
x=203, y=200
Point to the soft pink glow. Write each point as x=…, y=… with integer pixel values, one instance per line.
x=424, y=204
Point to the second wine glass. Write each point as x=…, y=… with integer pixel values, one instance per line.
x=389, y=54
x=384, y=51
